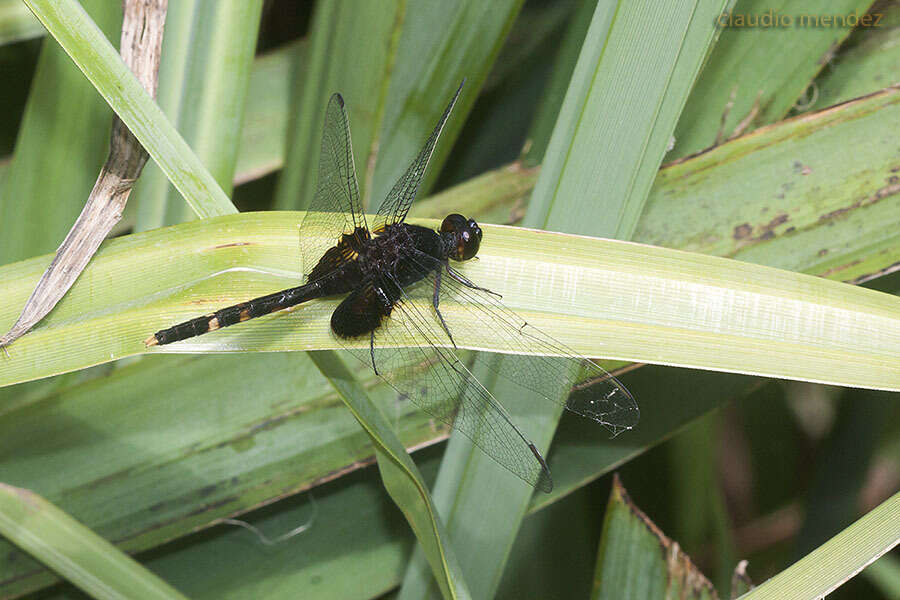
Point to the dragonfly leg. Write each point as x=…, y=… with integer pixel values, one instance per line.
x=466, y=282
x=372, y=351
x=436, y=302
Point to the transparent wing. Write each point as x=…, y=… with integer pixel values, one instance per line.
x=394, y=208
x=435, y=379
x=543, y=365
x=335, y=210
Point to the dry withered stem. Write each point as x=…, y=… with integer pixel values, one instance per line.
x=141, y=44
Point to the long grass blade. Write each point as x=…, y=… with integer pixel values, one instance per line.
x=74, y=551
x=824, y=569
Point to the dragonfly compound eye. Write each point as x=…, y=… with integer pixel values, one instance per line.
x=453, y=223
x=468, y=241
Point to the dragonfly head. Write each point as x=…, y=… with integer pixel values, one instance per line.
x=462, y=236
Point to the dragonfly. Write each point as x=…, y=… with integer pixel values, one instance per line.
x=396, y=277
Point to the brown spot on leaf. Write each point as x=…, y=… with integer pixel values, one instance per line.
x=742, y=231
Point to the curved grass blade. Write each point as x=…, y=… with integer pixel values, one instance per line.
x=74, y=551
x=400, y=475
x=824, y=569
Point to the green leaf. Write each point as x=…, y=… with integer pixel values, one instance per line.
x=698, y=310
x=73, y=550
x=207, y=54
x=789, y=195
x=400, y=475
x=763, y=67
x=636, y=560
x=823, y=570
x=356, y=546
x=618, y=115
x=74, y=30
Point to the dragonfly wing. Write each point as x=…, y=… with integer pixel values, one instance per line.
x=335, y=213
x=542, y=365
x=434, y=378
x=394, y=208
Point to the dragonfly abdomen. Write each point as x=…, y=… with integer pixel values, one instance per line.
x=238, y=313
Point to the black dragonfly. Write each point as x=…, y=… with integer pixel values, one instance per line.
x=397, y=278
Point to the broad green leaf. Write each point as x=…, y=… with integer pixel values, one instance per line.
x=401, y=477
x=760, y=72
x=636, y=560
x=356, y=547
x=203, y=83
x=287, y=439
x=827, y=567
x=74, y=551
x=610, y=299
x=79, y=36
x=790, y=196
